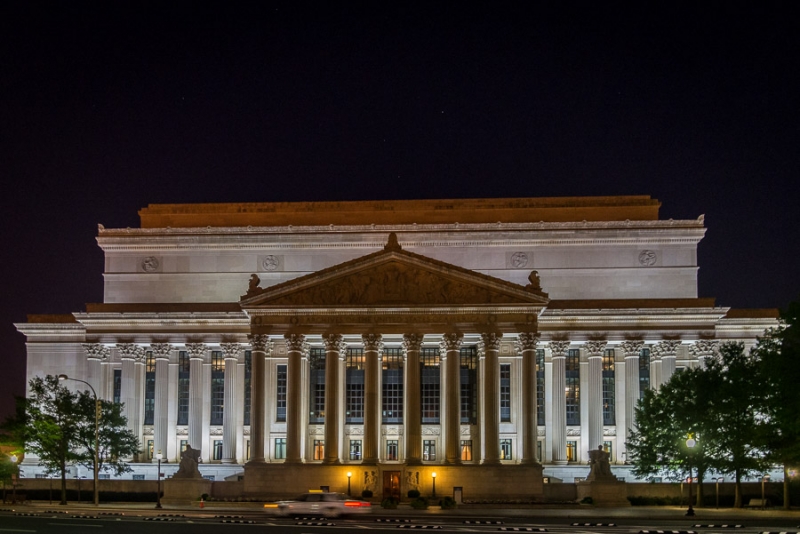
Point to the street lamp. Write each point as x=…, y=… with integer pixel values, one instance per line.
x=720, y=479
x=433, y=476
x=764, y=480
x=690, y=443
x=349, y=474
x=159, y=456
x=96, y=434
x=14, y=479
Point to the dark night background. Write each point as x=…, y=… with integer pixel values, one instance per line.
x=106, y=107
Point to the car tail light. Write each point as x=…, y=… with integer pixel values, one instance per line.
x=356, y=504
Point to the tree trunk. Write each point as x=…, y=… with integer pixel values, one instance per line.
x=786, y=497
x=63, y=485
x=700, y=496
x=737, y=501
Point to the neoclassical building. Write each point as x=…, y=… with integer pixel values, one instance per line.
x=374, y=344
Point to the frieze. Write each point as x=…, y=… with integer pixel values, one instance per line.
x=377, y=317
x=540, y=431
x=391, y=430
x=573, y=431
x=216, y=431
x=609, y=431
x=147, y=431
x=182, y=431
x=431, y=431
x=354, y=430
x=316, y=431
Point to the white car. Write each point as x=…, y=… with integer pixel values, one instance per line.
x=328, y=504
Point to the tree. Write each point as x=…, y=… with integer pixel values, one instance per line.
x=665, y=419
x=779, y=353
x=116, y=440
x=731, y=390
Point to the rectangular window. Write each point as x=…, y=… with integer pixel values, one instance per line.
x=505, y=393
x=609, y=385
x=280, y=448
x=280, y=394
x=354, y=394
x=149, y=388
x=429, y=450
x=573, y=388
x=150, y=455
x=430, y=385
x=217, y=449
x=391, y=450
x=392, y=386
x=137, y=477
x=540, y=387
x=466, y=450
x=644, y=371
x=572, y=451
x=505, y=449
x=316, y=359
x=183, y=387
x=117, y=386
x=319, y=449
x=608, y=447
x=539, y=451
x=217, y=387
x=355, y=449
x=248, y=372
x=184, y=444
x=469, y=384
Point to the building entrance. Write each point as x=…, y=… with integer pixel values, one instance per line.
x=391, y=484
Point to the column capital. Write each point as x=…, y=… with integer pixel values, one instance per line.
x=491, y=341
x=412, y=342
x=334, y=342
x=559, y=348
x=372, y=342
x=296, y=343
x=666, y=348
x=161, y=351
x=703, y=348
x=196, y=350
x=259, y=343
x=231, y=351
x=451, y=342
x=526, y=341
x=96, y=351
x=595, y=347
x=127, y=351
x=631, y=347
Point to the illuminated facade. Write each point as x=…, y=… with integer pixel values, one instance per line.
x=390, y=339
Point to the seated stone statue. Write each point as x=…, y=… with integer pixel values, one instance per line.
x=188, y=466
x=600, y=465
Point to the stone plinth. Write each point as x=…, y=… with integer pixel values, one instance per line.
x=604, y=492
x=185, y=490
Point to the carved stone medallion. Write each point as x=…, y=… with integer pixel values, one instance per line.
x=647, y=258
x=150, y=264
x=519, y=260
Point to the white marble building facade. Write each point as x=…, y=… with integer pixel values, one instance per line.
x=390, y=333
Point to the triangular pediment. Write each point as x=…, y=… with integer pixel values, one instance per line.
x=395, y=277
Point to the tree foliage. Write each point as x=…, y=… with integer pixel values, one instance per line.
x=116, y=441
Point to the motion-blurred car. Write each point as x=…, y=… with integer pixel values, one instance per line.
x=328, y=504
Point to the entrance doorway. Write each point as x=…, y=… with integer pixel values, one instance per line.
x=391, y=484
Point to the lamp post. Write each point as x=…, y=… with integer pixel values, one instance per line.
x=159, y=456
x=690, y=443
x=433, y=476
x=349, y=474
x=96, y=434
x=764, y=480
x=14, y=479
x=720, y=479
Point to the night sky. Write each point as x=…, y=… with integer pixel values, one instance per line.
x=107, y=107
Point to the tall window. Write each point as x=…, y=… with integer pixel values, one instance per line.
x=391, y=450
x=572, y=451
x=316, y=387
x=280, y=394
x=217, y=449
x=430, y=384
x=540, y=387
x=609, y=448
x=429, y=450
x=117, y=386
x=573, y=388
x=355, y=449
x=505, y=393
x=248, y=372
x=280, y=448
x=505, y=449
x=469, y=384
x=183, y=388
x=609, y=416
x=149, y=387
x=354, y=411
x=319, y=449
x=217, y=387
x=392, y=385
x=644, y=371
x=466, y=450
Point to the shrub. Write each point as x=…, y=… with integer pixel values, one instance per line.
x=413, y=494
x=390, y=503
x=420, y=503
x=448, y=503
x=367, y=494
x=204, y=496
x=587, y=500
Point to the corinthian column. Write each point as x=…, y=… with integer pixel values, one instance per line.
x=334, y=350
x=631, y=349
x=127, y=393
x=197, y=353
x=95, y=355
x=667, y=352
x=296, y=347
x=261, y=345
x=161, y=353
x=231, y=352
x=526, y=348
x=491, y=397
x=451, y=347
x=702, y=349
x=595, y=349
x=559, y=351
x=412, y=343
x=373, y=345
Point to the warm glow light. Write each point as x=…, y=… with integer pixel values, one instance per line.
x=349, y=474
x=13, y=458
x=433, y=474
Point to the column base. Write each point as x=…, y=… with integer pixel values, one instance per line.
x=256, y=461
x=491, y=462
x=228, y=460
x=414, y=461
x=560, y=462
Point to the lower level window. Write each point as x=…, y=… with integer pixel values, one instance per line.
x=391, y=450
x=217, y=449
x=572, y=451
x=355, y=449
x=280, y=448
x=466, y=450
x=607, y=446
x=319, y=449
x=505, y=449
x=429, y=450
